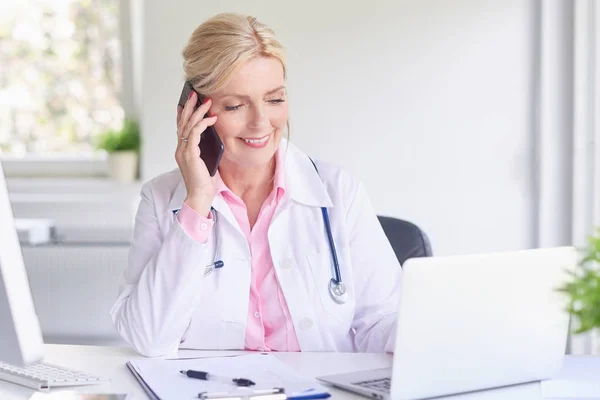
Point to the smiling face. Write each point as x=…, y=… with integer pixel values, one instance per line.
x=252, y=113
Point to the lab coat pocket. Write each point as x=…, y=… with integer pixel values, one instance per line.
x=220, y=318
x=321, y=267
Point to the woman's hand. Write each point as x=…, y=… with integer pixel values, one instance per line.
x=198, y=182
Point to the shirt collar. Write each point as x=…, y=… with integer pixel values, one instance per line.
x=279, y=179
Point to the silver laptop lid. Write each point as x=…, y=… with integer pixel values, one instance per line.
x=480, y=321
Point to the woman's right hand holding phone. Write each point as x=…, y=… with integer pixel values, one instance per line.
x=198, y=182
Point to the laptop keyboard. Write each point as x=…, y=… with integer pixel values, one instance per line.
x=382, y=384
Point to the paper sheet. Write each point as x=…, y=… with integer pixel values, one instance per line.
x=165, y=380
x=579, y=378
x=77, y=396
x=191, y=354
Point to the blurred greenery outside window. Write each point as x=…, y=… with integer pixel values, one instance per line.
x=60, y=76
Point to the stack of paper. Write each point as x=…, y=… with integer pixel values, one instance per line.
x=162, y=380
x=578, y=379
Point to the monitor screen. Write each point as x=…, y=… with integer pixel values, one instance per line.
x=21, y=340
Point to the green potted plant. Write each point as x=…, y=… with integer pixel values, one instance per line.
x=583, y=287
x=123, y=148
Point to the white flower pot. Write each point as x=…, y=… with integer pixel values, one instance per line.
x=122, y=165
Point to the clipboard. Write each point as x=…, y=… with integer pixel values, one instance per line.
x=142, y=382
x=248, y=394
x=287, y=385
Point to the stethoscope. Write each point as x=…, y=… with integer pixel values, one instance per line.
x=337, y=288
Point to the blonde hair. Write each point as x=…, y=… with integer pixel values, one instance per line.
x=223, y=43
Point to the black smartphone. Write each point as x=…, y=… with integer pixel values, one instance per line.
x=211, y=146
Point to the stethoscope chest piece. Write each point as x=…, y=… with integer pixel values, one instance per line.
x=338, y=291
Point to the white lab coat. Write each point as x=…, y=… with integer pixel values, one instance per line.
x=165, y=302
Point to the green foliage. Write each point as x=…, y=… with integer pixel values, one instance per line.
x=126, y=139
x=583, y=289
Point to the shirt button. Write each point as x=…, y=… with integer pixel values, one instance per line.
x=203, y=226
x=287, y=263
x=256, y=314
x=306, y=324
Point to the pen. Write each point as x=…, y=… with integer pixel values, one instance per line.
x=205, y=376
x=264, y=394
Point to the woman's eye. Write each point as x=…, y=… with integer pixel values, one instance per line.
x=232, y=108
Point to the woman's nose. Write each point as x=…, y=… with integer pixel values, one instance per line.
x=259, y=117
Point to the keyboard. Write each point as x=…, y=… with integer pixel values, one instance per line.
x=382, y=385
x=42, y=376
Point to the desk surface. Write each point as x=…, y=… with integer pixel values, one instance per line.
x=110, y=362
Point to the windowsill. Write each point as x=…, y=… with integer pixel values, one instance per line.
x=80, y=187
x=63, y=178
x=87, y=165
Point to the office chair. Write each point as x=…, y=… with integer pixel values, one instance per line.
x=407, y=239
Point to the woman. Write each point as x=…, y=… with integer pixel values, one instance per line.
x=261, y=215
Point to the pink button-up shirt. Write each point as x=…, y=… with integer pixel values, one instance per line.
x=269, y=325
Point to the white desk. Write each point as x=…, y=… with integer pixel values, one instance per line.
x=110, y=362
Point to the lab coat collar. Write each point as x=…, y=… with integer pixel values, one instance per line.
x=303, y=183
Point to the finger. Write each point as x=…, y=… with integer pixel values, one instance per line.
x=196, y=119
x=199, y=113
x=196, y=132
x=180, y=124
x=181, y=145
x=192, y=149
x=179, y=109
x=183, y=140
x=187, y=112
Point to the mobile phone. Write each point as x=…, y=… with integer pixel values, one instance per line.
x=211, y=146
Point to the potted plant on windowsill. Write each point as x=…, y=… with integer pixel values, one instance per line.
x=583, y=288
x=123, y=148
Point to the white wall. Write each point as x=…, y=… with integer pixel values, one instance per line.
x=428, y=102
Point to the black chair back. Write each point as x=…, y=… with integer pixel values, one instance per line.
x=406, y=238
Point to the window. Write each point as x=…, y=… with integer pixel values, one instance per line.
x=60, y=76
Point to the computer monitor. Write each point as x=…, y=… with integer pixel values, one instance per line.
x=21, y=341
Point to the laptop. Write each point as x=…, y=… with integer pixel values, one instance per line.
x=468, y=323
